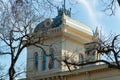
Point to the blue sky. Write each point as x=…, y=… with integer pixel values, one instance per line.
x=90, y=13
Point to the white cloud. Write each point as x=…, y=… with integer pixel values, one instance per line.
x=94, y=14
x=98, y=18
x=89, y=8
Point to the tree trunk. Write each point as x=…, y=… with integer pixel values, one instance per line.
x=11, y=72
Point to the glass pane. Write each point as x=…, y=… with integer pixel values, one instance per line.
x=44, y=61
x=80, y=58
x=36, y=60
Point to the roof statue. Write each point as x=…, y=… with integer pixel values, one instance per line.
x=55, y=22
x=63, y=10
x=97, y=32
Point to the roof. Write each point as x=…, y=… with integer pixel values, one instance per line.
x=77, y=25
x=48, y=23
x=64, y=16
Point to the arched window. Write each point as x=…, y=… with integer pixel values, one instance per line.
x=44, y=61
x=80, y=58
x=52, y=59
x=36, y=60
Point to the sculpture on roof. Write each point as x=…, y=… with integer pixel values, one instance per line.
x=96, y=33
x=55, y=22
x=63, y=10
x=58, y=19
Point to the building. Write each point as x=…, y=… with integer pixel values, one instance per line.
x=64, y=38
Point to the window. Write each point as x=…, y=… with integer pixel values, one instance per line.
x=44, y=61
x=52, y=58
x=80, y=58
x=36, y=60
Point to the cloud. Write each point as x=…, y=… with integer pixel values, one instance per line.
x=94, y=14
x=98, y=18
x=91, y=13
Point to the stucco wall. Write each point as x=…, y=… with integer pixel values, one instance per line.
x=71, y=49
x=56, y=45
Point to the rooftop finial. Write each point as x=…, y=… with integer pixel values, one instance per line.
x=63, y=10
x=64, y=4
x=96, y=33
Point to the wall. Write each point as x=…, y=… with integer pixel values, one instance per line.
x=71, y=49
x=56, y=45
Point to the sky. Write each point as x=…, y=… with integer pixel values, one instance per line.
x=90, y=13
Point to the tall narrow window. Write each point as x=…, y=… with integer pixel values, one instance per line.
x=44, y=61
x=80, y=58
x=52, y=59
x=36, y=60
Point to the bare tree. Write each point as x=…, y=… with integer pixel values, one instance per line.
x=110, y=6
x=16, y=20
